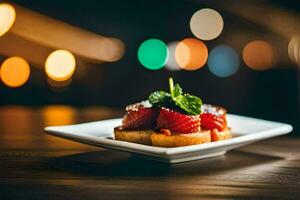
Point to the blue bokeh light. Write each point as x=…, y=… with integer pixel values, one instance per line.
x=223, y=61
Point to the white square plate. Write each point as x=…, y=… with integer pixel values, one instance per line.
x=246, y=130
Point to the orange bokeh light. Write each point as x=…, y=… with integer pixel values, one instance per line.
x=191, y=54
x=14, y=72
x=259, y=55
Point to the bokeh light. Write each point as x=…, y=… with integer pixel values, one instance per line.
x=191, y=54
x=153, y=54
x=7, y=17
x=172, y=65
x=14, y=72
x=259, y=55
x=206, y=24
x=60, y=65
x=223, y=61
x=294, y=50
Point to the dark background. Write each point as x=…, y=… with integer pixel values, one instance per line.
x=271, y=94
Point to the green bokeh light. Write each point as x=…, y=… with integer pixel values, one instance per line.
x=153, y=54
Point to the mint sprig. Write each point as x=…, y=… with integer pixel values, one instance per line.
x=190, y=104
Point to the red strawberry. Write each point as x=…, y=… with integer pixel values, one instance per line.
x=140, y=118
x=213, y=117
x=177, y=122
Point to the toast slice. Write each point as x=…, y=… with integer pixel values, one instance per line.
x=149, y=137
x=135, y=136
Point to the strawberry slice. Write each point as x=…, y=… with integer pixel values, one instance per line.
x=140, y=118
x=213, y=117
x=177, y=122
x=210, y=121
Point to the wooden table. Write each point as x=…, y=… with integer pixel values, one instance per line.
x=34, y=165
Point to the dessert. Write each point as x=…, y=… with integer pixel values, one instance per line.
x=173, y=119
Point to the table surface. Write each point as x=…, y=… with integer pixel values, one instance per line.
x=34, y=165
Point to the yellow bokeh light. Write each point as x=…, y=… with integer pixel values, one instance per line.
x=14, y=71
x=206, y=24
x=259, y=55
x=191, y=54
x=60, y=65
x=7, y=17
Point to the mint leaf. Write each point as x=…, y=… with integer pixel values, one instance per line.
x=160, y=98
x=189, y=103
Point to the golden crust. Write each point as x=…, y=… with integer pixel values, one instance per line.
x=178, y=140
x=135, y=136
x=148, y=137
